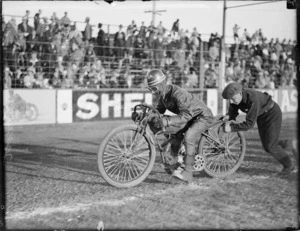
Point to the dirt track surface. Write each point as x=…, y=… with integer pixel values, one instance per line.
x=53, y=182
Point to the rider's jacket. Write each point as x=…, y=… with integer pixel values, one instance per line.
x=254, y=104
x=185, y=105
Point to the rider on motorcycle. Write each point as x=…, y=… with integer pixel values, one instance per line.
x=192, y=116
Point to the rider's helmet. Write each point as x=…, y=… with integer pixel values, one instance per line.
x=155, y=77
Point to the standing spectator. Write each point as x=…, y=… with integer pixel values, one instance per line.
x=10, y=34
x=260, y=35
x=32, y=42
x=151, y=29
x=77, y=55
x=24, y=28
x=54, y=17
x=132, y=28
x=142, y=31
x=213, y=54
x=175, y=28
x=160, y=28
x=100, y=41
x=27, y=13
x=119, y=42
x=87, y=31
x=236, y=33
x=65, y=21
x=247, y=36
x=36, y=19
x=129, y=47
x=159, y=51
x=100, y=73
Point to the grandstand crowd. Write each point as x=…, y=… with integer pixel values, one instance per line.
x=42, y=52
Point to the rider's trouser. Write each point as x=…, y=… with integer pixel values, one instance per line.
x=269, y=126
x=192, y=134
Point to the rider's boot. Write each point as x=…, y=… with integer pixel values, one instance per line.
x=187, y=173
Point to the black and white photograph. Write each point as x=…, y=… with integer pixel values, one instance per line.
x=150, y=115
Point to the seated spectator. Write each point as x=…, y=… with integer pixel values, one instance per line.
x=39, y=83
x=29, y=78
x=289, y=73
x=260, y=82
x=113, y=81
x=77, y=54
x=210, y=78
x=191, y=78
x=17, y=81
x=100, y=73
x=7, y=78
x=128, y=77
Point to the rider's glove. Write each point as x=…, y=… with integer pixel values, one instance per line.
x=223, y=118
x=161, y=122
x=135, y=116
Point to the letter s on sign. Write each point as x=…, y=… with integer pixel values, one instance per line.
x=84, y=104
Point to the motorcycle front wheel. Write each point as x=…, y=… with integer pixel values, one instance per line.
x=126, y=156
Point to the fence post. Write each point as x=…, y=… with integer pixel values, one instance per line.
x=201, y=70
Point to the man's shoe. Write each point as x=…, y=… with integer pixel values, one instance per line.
x=288, y=170
x=183, y=175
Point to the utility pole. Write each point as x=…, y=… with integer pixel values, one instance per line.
x=154, y=11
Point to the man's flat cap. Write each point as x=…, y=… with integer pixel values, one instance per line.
x=231, y=90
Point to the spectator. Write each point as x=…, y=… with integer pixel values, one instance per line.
x=151, y=30
x=119, y=43
x=10, y=32
x=100, y=41
x=128, y=76
x=132, y=28
x=87, y=31
x=54, y=18
x=175, y=28
x=36, y=19
x=213, y=54
x=236, y=33
x=247, y=36
x=29, y=78
x=65, y=21
x=7, y=78
x=289, y=73
x=192, y=79
x=32, y=42
x=100, y=73
x=77, y=54
x=27, y=13
x=260, y=81
x=160, y=28
x=142, y=31
x=24, y=28
x=159, y=51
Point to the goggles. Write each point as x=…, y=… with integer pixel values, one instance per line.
x=153, y=89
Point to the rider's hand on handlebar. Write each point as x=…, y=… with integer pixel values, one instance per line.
x=225, y=117
x=160, y=122
x=227, y=127
x=135, y=116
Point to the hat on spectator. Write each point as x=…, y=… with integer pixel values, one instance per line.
x=231, y=90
